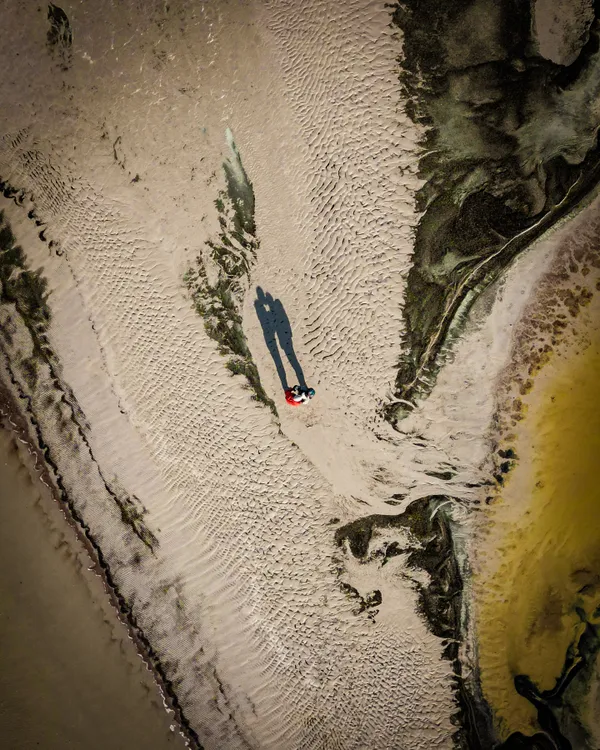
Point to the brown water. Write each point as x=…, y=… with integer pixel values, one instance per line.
x=70, y=676
x=530, y=608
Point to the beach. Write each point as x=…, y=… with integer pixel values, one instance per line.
x=204, y=203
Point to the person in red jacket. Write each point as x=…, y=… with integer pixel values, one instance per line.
x=299, y=395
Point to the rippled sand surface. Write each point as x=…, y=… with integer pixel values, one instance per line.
x=239, y=597
x=227, y=520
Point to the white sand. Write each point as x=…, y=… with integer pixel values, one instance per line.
x=241, y=599
x=267, y=652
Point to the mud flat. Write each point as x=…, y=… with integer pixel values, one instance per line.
x=497, y=176
x=71, y=676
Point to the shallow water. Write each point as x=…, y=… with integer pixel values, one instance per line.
x=548, y=578
x=70, y=676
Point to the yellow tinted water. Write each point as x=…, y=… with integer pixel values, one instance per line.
x=550, y=556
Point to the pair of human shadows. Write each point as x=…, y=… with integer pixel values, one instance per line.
x=278, y=335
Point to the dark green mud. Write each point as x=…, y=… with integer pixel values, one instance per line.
x=430, y=548
x=220, y=279
x=60, y=37
x=510, y=147
x=558, y=709
x=27, y=291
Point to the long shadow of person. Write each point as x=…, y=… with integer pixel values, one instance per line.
x=277, y=329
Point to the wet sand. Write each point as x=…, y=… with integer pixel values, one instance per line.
x=70, y=677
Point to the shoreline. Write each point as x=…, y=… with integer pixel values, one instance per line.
x=32, y=458
x=146, y=433
x=557, y=327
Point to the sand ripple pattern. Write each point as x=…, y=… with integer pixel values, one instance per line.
x=246, y=520
x=356, y=155
x=266, y=653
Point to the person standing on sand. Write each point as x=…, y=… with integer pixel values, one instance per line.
x=299, y=395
